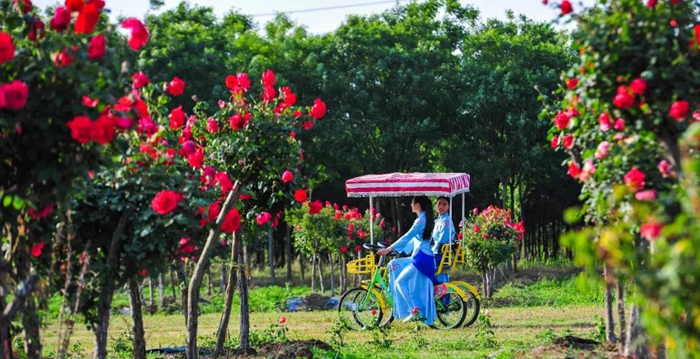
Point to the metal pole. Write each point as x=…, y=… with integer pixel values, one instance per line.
x=463, y=218
x=451, y=234
x=371, y=222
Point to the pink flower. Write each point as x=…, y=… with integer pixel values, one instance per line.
x=588, y=169
x=665, y=168
x=16, y=94
x=604, y=122
x=634, y=179
x=263, y=218
x=650, y=231
x=619, y=124
x=602, y=150
x=287, y=176
x=646, y=195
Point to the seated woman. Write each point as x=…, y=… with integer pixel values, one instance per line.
x=442, y=233
x=411, y=279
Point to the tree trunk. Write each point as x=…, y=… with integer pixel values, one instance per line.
x=105, y=303
x=320, y=273
x=343, y=274
x=137, y=316
x=290, y=255
x=182, y=279
x=621, y=310
x=330, y=262
x=271, y=255
x=302, y=268
x=32, y=337
x=230, y=290
x=609, y=318
x=245, y=311
x=636, y=343
x=209, y=281
x=161, y=290
x=313, y=272
x=172, y=285
x=224, y=274
x=151, y=289
x=202, y=264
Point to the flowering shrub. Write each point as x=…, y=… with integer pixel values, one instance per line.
x=490, y=239
x=631, y=119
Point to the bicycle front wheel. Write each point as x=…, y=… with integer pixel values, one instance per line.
x=359, y=309
x=451, y=311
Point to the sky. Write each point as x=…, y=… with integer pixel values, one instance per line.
x=322, y=21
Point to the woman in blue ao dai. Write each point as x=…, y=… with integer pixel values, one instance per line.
x=411, y=279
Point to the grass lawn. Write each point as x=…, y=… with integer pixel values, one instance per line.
x=518, y=332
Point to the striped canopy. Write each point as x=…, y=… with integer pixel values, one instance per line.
x=408, y=184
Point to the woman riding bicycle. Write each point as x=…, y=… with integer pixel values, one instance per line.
x=411, y=279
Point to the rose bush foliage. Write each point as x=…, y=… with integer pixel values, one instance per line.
x=490, y=238
x=628, y=118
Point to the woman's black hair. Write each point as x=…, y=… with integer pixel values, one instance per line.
x=443, y=197
x=427, y=207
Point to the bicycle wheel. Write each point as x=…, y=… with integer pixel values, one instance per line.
x=451, y=311
x=357, y=310
x=473, y=305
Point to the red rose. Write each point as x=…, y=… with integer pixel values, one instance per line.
x=177, y=118
x=554, y=142
x=237, y=122
x=283, y=319
x=60, y=20
x=16, y=93
x=300, y=196
x=343, y=249
x=566, y=7
x=287, y=176
x=166, y=201
x=574, y=170
x=619, y=124
x=638, y=86
x=102, y=130
x=43, y=213
x=268, y=78
x=243, y=82
x=36, y=249
x=623, y=99
x=289, y=97
x=679, y=110
x=315, y=207
x=75, y=5
x=269, y=94
x=318, y=110
x=87, y=19
x=7, y=48
x=652, y=3
x=571, y=83
x=96, y=48
x=245, y=196
x=99, y=3
x=307, y=125
x=231, y=82
x=62, y=59
x=24, y=6
x=634, y=179
x=196, y=159
x=176, y=87
x=140, y=80
x=224, y=182
x=139, y=33
x=561, y=120
x=80, y=127
x=568, y=141
x=232, y=221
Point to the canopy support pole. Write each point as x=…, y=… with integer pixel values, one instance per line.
x=464, y=233
x=371, y=222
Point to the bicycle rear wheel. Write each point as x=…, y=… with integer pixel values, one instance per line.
x=358, y=310
x=451, y=311
x=473, y=305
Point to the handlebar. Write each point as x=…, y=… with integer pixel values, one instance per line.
x=374, y=247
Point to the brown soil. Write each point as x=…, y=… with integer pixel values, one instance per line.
x=571, y=347
x=295, y=349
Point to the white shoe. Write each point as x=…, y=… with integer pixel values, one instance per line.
x=408, y=319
